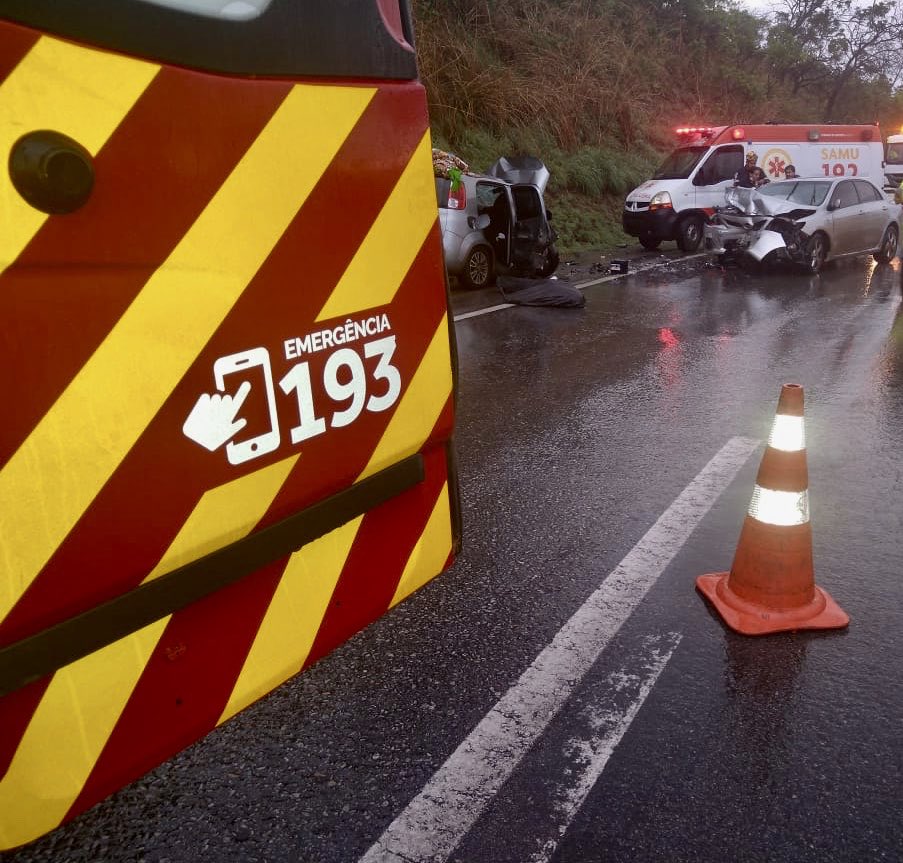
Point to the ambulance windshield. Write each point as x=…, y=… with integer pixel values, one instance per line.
x=680, y=164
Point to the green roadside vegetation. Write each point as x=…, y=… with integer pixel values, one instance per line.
x=595, y=88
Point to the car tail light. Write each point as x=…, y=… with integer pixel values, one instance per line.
x=457, y=198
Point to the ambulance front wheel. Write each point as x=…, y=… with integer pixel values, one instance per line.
x=689, y=233
x=650, y=243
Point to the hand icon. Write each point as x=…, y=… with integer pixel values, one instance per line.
x=212, y=420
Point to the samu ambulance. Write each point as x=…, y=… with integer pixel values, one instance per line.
x=691, y=182
x=228, y=388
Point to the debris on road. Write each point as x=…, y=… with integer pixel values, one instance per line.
x=540, y=292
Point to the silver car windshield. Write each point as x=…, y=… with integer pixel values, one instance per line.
x=807, y=193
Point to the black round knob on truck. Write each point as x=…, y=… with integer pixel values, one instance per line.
x=51, y=171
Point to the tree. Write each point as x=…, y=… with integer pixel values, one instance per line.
x=827, y=44
x=865, y=46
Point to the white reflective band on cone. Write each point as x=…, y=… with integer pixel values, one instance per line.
x=783, y=508
x=787, y=433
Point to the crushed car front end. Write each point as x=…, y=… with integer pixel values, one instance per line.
x=751, y=225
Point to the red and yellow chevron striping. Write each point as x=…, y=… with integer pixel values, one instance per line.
x=231, y=219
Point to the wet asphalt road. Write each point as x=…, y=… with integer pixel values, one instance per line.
x=577, y=429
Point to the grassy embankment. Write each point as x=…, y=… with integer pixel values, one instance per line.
x=508, y=77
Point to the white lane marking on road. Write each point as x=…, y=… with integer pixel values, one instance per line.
x=485, y=311
x=607, y=722
x=579, y=286
x=435, y=821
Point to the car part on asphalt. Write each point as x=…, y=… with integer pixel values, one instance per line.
x=540, y=292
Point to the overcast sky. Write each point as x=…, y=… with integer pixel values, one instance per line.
x=759, y=5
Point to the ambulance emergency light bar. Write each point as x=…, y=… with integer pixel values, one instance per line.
x=737, y=133
x=695, y=131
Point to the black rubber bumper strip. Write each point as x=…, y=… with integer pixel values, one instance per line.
x=43, y=653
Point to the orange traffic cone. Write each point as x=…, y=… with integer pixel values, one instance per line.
x=771, y=586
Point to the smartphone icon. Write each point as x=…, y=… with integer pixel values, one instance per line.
x=261, y=433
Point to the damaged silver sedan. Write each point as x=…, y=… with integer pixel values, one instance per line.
x=806, y=222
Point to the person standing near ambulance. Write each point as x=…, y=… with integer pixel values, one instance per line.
x=750, y=176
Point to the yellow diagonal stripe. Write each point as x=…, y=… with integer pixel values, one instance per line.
x=293, y=617
x=384, y=258
x=420, y=406
x=57, y=472
x=67, y=734
x=430, y=552
x=224, y=515
x=84, y=700
x=77, y=91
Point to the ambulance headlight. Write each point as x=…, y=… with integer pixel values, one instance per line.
x=660, y=201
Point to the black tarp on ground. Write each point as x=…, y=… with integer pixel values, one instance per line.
x=540, y=292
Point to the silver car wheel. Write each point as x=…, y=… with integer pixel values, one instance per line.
x=478, y=268
x=817, y=251
x=889, y=244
